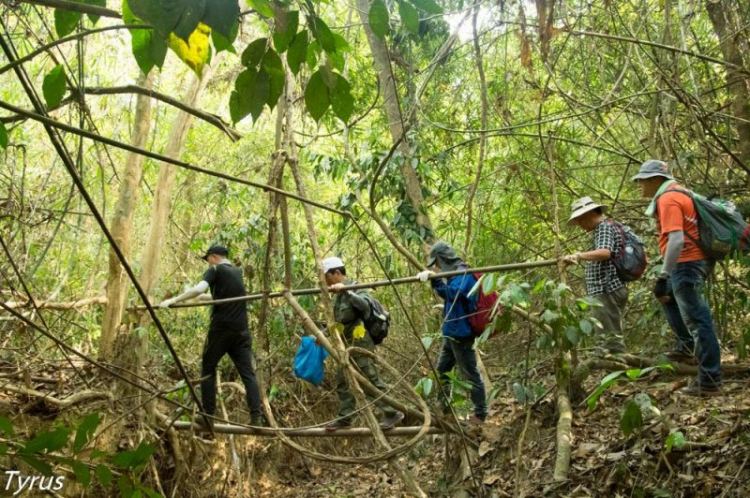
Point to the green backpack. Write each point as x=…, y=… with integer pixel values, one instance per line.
x=722, y=231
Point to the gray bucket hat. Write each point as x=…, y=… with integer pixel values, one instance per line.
x=582, y=206
x=652, y=168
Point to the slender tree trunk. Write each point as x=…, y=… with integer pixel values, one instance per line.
x=122, y=222
x=724, y=19
x=395, y=119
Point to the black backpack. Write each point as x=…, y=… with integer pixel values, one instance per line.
x=631, y=260
x=379, y=321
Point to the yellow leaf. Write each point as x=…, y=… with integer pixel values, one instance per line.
x=194, y=53
x=359, y=331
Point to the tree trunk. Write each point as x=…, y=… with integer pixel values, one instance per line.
x=724, y=19
x=122, y=222
x=395, y=119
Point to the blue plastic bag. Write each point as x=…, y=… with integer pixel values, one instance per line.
x=308, y=362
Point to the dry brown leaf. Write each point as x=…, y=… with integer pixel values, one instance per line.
x=484, y=448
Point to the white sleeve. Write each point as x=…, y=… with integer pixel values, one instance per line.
x=199, y=289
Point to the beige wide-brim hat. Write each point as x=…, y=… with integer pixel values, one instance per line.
x=583, y=206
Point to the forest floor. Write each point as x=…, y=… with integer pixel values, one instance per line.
x=711, y=460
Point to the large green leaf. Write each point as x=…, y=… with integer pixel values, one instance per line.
x=239, y=101
x=54, y=87
x=272, y=63
x=429, y=6
x=48, y=441
x=222, y=16
x=39, y=465
x=82, y=473
x=3, y=145
x=103, y=474
x=222, y=43
x=263, y=7
x=149, y=49
x=276, y=88
x=85, y=431
x=254, y=52
x=284, y=29
x=191, y=16
x=409, y=16
x=316, y=96
x=66, y=21
x=132, y=459
x=297, y=51
x=261, y=92
x=341, y=98
x=165, y=15
x=324, y=35
x=378, y=18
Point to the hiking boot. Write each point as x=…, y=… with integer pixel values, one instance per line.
x=391, y=420
x=696, y=389
x=342, y=423
x=681, y=357
x=258, y=421
x=475, y=421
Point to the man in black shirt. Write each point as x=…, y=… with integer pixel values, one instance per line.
x=227, y=333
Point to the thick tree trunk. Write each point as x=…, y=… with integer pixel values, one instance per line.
x=122, y=222
x=395, y=118
x=724, y=19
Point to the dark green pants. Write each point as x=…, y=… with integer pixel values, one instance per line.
x=347, y=404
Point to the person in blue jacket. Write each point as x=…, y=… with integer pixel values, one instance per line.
x=458, y=338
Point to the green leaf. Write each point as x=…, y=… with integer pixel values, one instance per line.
x=263, y=7
x=324, y=35
x=342, y=101
x=378, y=18
x=125, y=484
x=103, y=474
x=48, y=441
x=37, y=464
x=676, y=439
x=147, y=46
x=427, y=341
x=633, y=373
x=549, y=316
x=272, y=63
x=132, y=459
x=6, y=426
x=409, y=16
x=297, y=51
x=488, y=283
x=241, y=99
x=572, y=334
x=222, y=43
x=341, y=44
x=429, y=6
x=3, y=449
x=66, y=21
x=520, y=393
x=313, y=53
x=632, y=419
x=284, y=29
x=261, y=92
x=316, y=96
x=99, y=3
x=85, y=431
x=222, y=16
x=586, y=327
x=253, y=53
x=277, y=82
x=237, y=107
x=192, y=14
x=82, y=473
x=178, y=16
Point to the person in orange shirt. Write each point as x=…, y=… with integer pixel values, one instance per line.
x=679, y=287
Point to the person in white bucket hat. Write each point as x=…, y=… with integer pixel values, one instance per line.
x=602, y=281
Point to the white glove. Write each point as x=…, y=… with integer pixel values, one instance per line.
x=424, y=276
x=166, y=303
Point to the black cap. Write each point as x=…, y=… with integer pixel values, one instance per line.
x=220, y=250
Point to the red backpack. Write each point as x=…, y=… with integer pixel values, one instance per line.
x=483, y=315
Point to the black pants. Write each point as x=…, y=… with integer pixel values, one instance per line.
x=239, y=346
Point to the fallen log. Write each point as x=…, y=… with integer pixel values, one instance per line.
x=71, y=400
x=314, y=432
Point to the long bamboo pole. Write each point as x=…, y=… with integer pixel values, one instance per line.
x=373, y=285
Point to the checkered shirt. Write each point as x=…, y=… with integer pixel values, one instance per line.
x=601, y=276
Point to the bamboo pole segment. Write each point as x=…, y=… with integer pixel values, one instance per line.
x=373, y=285
x=314, y=432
